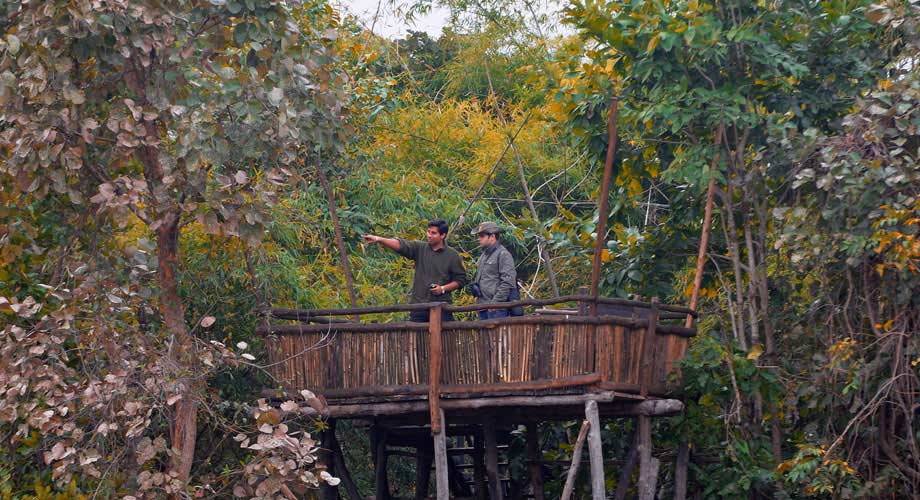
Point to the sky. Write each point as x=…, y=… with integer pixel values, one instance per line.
x=387, y=22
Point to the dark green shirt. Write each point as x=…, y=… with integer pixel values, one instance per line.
x=441, y=267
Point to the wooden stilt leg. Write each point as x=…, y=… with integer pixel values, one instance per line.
x=595, y=451
x=440, y=459
x=491, y=442
x=632, y=458
x=341, y=470
x=479, y=468
x=680, y=471
x=424, y=456
x=576, y=461
x=646, y=487
x=381, y=485
x=535, y=456
x=324, y=457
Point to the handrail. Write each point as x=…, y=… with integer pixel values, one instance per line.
x=305, y=314
x=476, y=324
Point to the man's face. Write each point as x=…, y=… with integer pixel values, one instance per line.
x=485, y=239
x=434, y=237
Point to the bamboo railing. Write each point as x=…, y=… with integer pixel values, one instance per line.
x=532, y=355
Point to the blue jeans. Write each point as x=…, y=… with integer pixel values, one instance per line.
x=493, y=313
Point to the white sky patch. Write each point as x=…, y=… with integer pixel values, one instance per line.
x=379, y=15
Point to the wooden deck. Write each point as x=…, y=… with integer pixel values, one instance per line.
x=628, y=348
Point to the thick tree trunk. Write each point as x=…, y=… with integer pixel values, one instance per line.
x=182, y=347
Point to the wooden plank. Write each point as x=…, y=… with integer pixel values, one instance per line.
x=576, y=461
x=595, y=451
x=434, y=368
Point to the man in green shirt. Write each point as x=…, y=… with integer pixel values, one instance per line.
x=438, y=268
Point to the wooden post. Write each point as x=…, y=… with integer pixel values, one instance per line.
x=491, y=442
x=576, y=461
x=434, y=368
x=381, y=485
x=647, y=349
x=440, y=458
x=479, y=468
x=341, y=470
x=602, y=202
x=424, y=456
x=595, y=451
x=680, y=470
x=646, y=474
x=324, y=458
x=707, y=223
x=534, y=457
x=626, y=473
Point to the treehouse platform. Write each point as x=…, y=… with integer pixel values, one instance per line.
x=571, y=357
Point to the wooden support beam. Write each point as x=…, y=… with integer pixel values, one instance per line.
x=576, y=461
x=632, y=458
x=381, y=485
x=647, y=351
x=646, y=474
x=434, y=367
x=595, y=451
x=651, y=407
x=440, y=460
x=424, y=457
x=341, y=469
x=479, y=468
x=324, y=459
x=491, y=444
x=680, y=470
x=534, y=457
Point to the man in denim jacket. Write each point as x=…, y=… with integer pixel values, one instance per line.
x=495, y=272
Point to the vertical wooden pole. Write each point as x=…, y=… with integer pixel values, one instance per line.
x=576, y=461
x=647, y=349
x=626, y=473
x=341, y=469
x=646, y=481
x=424, y=456
x=595, y=451
x=324, y=458
x=381, y=485
x=602, y=203
x=434, y=368
x=491, y=442
x=680, y=470
x=707, y=224
x=440, y=459
x=534, y=457
x=479, y=468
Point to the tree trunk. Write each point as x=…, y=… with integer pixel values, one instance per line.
x=339, y=239
x=181, y=348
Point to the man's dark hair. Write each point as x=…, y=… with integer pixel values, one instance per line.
x=441, y=224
